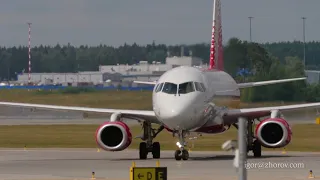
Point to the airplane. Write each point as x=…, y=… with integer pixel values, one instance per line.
x=182, y=101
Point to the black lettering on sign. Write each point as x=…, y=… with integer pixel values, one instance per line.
x=140, y=176
x=161, y=173
x=149, y=176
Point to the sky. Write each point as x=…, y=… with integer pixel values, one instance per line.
x=115, y=22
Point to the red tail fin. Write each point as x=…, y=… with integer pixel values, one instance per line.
x=213, y=42
x=216, y=49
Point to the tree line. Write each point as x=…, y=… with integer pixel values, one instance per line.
x=262, y=62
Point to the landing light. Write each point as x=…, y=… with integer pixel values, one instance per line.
x=178, y=144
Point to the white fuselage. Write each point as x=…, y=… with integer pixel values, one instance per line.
x=182, y=96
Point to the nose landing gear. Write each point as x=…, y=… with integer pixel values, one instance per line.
x=181, y=153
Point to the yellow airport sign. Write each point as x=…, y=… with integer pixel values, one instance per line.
x=318, y=120
x=148, y=173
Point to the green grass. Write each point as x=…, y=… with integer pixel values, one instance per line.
x=138, y=100
x=99, y=99
x=82, y=136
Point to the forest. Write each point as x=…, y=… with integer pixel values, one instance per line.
x=262, y=62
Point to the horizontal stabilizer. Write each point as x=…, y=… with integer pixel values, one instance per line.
x=145, y=82
x=223, y=93
x=262, y=83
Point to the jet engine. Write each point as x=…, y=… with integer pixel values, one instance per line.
x=273, y=133
x=113, y=136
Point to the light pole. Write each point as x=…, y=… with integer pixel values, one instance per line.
x=250, y=28
x=304, y=41
x=242, y=134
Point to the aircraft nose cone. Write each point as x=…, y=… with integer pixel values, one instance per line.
x=174, y=111
x=172, y=115
x=171, y=111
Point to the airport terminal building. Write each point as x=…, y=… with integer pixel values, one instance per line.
x=113, y=74
x=124, y=74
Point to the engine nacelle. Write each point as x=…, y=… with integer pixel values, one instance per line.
x=113, y=136
x=273, y=133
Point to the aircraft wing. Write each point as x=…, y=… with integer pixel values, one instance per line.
x=242, y=85
x=138, y=115
x=145, y=82
x=262, y=83
x=231, y=116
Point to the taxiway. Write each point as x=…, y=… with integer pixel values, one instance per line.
x=79, y=163
x=67, y=164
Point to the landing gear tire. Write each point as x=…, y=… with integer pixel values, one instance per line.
x=156, y=150
x=185, y=155
x=148, y=146
x=143, y=151
x=256, y=148
x=253, y=145
x=177, y=155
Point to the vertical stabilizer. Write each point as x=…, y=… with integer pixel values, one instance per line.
x=216, y=49
x=212, y=47
x=220, y=64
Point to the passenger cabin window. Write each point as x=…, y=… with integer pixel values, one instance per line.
x=185, y=88
x=159, y=87
x=169, y=88
x=199, y=87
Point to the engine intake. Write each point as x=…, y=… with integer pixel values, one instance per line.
x=113, y=136
x=273, y=133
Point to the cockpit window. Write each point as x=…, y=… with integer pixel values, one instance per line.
x=203, y=87
x=199, y=87
x=169, y=88
x=185, y=88
x=159, y=87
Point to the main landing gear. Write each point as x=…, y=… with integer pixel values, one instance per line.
x=252, y=143
x=148, y=146
x=181, y=153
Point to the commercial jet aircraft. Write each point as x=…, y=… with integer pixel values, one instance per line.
x=182, y=103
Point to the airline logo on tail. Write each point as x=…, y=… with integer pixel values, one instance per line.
x=216, y=49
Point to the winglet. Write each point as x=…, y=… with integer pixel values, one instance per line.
x=262, y=83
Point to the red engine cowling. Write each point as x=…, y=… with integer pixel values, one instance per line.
x=113, y=136
x=273, y=133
